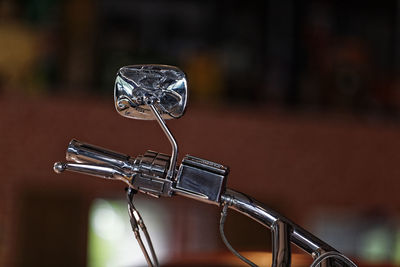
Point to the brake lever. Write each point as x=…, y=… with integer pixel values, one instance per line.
x=102, y=171
x=144, y=180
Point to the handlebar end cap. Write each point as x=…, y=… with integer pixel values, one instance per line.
x=59, y=167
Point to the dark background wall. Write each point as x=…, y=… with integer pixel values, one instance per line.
x=300, y=98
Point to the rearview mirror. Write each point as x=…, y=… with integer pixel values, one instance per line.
x=161, y=86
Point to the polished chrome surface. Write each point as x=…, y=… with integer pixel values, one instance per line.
x=153, y=163
x=152, y=92
x=80, y=152
x=174, y=145
x=267, y=217
x=149, y=177
x=159, y=92
x=203, y=179
x=327, y=259
x=106, y=172
x=147, y=173
x=138, y=86
x=281, y=252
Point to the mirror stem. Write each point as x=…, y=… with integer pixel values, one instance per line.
x=172, y=163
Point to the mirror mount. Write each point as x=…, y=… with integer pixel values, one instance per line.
x=174, y=155
x=152, y=92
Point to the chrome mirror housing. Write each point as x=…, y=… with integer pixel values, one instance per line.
x=137, y=87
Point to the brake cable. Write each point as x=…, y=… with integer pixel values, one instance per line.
x=224, y=213
x=137, y=223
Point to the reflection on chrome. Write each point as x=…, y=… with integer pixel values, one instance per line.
x=159, y=92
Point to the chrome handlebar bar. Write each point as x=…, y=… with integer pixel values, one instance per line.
x=283, y=230
x=199, y=179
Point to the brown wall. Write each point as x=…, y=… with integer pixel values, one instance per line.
x=295, y=163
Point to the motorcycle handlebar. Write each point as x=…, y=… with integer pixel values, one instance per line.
x=147, y=174
x=80, y=152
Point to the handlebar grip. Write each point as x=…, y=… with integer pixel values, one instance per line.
x=86, y=153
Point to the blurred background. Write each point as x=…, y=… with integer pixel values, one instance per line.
x=300, y=98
